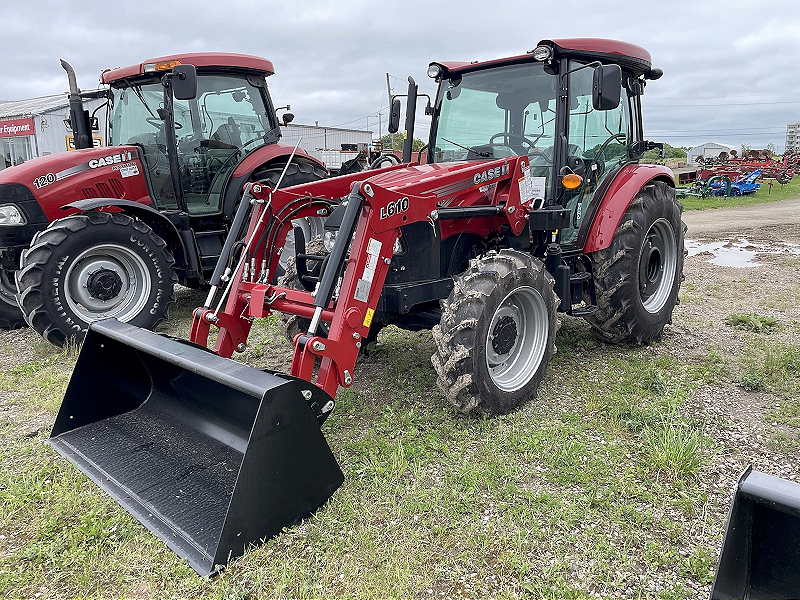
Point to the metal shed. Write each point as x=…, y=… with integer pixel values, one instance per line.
x=38, y=127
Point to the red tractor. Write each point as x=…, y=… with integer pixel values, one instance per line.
x=531, y=202
x=105, y=232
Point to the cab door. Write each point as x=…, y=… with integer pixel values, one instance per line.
x=598, y=138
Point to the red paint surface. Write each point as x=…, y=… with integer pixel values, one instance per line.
x=617, y=199
x=267, y=153
x=576, y=45
x=69, y=188
x=198, y=59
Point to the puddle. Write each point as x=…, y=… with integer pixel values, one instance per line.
x=739, y=252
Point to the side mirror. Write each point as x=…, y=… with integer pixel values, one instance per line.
x=287, y=118
x=606, y=87
x=394, y=117
x=184, y=82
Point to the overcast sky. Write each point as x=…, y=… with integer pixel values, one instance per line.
x=731, y=68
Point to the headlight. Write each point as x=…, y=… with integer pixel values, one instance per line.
x=11, y=215
x=328, y=240
x=542, y=53
x=435, y=71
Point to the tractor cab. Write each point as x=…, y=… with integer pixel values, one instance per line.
x=228, y=116
x=571, y=106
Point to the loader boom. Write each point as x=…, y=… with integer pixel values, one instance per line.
x=378, y=213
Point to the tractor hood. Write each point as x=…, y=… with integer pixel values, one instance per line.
x=443, y=179
x=58, y=179
x=65, y=164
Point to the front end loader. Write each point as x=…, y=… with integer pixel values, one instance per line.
x=760, y=555
x=531, y=202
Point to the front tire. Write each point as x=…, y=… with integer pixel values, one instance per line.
x=10, y=314
x=93, y=266
x=638, y=277
x=497, y=333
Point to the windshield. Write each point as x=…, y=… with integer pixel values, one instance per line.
x=495, y=113
x=228, y=119
x=227, y=109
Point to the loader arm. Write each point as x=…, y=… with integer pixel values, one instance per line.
x=380, y=211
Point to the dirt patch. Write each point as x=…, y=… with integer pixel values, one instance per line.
x=768, y=285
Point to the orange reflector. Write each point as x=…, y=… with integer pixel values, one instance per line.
x=166, y=65
x=571, y=181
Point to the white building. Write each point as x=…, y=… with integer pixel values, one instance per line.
x=793, y=137
x=331, y=145
x=37, y=127
x=707, y=150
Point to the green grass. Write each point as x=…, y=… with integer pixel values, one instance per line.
x=591, y=488
x=753, y=322
x=778, y=192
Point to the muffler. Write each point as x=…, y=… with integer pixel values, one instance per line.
x=209, y=454
x=760, y=555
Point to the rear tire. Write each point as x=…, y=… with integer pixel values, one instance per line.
x=497, y=333
x=296, y=174
x=92, y=266
x=11, y=316
x=290, y=324
x=638, y=277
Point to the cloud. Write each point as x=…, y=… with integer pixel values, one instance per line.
x=331, y=57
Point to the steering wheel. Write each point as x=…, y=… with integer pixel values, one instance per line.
x=508, y=136
x=158, y=123
x=378, y=163
x=601, y=167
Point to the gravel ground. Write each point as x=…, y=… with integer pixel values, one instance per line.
x=764, y=242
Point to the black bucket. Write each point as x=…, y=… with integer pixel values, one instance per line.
x=209, y=454
x=760, y=555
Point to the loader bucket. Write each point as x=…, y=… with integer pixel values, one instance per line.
x=760, y=555
x=209, y=454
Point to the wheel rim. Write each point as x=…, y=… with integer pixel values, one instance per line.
x=8, y=290
x=107, y=281
x=312, y=227
x=658, y=261
x=517, y=339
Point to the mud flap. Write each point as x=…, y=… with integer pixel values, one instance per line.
x=209, y=454
x=760, y=555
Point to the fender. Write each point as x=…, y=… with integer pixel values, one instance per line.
x=266, y=154
x=597, y=233
x=253, y=161
x=156, y=220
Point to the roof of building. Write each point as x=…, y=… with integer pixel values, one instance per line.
x=20, y=109
x=321, y=127
x=715, y=145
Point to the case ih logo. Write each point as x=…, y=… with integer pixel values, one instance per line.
x=16, y=127
x=110, y=160
x=491, y=174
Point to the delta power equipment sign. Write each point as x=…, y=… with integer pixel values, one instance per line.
x=16, y=127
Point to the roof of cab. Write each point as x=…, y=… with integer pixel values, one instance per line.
x=627, y=54
x=225, y=60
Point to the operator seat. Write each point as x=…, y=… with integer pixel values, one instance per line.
x=229, y=133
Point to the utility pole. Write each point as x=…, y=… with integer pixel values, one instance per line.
x=389, y=89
